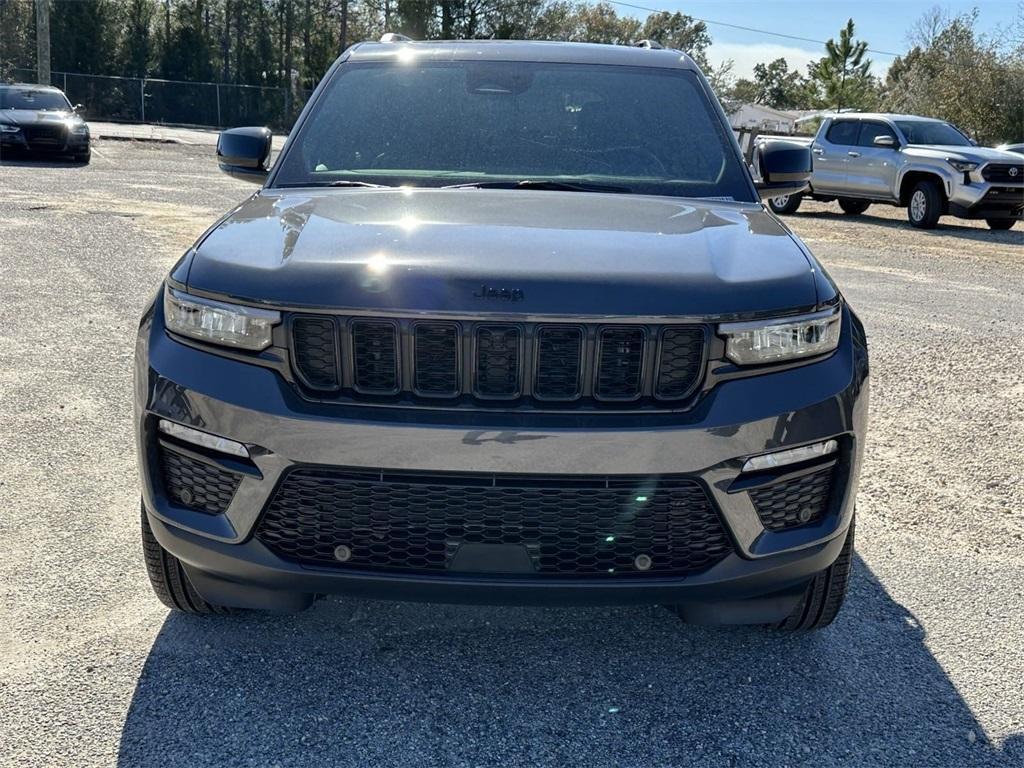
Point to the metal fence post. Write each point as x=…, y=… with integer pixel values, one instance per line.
x=219, y=121
x=142, y=97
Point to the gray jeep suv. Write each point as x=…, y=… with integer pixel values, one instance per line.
x=506, y=323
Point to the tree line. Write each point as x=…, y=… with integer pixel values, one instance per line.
x=951, y=70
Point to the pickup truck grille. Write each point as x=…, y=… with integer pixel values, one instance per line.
x=527, y=526
x=1004, y=173
x=445, y=363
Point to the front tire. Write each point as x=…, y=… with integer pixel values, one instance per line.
x=825, y=594
x=1000, y=225
x=852, y=206
x=784, y=204
x=169, y=580
x=925, y=205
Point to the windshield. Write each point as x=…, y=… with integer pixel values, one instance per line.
x=932, y=132
x=633, y=129
x=23, y=98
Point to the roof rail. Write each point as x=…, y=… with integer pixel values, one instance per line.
x=654, y=45
x=394, y=37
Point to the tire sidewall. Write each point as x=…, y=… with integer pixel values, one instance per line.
x=927, y=201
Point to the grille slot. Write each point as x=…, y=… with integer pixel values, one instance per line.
x=680, y=362
x=794, y=502
x=572, y=527
x=375, y=352
x=437, y=359
x=315, y=341
x=1001, y=172
x=196, y=484
x=559, y=361
x=498, y=361
x=620, y=363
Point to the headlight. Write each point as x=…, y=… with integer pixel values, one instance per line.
x=217, y=322
x=4, y=128
x=962, y=165
x=773, y=341
x=80, y=129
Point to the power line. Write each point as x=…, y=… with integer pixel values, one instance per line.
x=745, y=29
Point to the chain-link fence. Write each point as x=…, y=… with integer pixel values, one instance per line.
x=174, y=102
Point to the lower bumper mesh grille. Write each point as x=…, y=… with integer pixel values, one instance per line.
x=608, y=527
x=196, y=484
x=794, y=502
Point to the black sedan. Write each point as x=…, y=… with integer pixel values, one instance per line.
x=39, y=118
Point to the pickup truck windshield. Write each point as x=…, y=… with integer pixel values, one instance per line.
x=628, y=129
x=932, y=132
x=20, y=98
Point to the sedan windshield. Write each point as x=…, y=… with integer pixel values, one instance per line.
x=24, y=98
x=932, y=132
x=590, y=128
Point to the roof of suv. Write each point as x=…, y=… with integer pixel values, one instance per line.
x=520, y=50
x=30, y=87
x=878, y=116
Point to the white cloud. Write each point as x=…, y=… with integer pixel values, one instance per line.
x=746, y=55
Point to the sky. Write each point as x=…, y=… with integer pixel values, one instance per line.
x=884, y=24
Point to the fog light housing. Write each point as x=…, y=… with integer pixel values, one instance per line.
x=791, y=456
x=203, y=439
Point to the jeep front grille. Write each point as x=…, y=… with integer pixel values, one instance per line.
x=527, y=526
x=502, y=364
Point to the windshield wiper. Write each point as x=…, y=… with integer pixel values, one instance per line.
x=551, y=184
x=337, y=183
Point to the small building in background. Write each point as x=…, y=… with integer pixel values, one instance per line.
x=758, y=117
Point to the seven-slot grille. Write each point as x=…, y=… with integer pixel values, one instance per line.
x=1004, y=172
x=500, y=362
x=601, y=527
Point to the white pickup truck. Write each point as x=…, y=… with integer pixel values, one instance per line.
x=926, y=166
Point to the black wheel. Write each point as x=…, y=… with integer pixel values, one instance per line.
x=784, y=204
x=1000, y=225
x=825, y=594
x=925, y=204
x=169, y=580
x=83, y=157
x=852, y=206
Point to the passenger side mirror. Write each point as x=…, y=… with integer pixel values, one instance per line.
x=884, y=141
x=784, y=168
x=79, y=108
x=244, y=153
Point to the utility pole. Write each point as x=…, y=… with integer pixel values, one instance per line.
x=43, y=41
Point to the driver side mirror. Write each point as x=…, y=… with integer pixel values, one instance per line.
x=244, y=153
x=885, y=141
x=784, y=168
x=79, y=108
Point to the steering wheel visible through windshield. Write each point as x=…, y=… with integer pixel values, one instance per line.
x=636, y=129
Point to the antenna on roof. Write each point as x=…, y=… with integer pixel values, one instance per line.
x=394, y=37
x=654, y=45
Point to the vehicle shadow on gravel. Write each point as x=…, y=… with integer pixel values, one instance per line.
x=947, y=226
x=389, y=684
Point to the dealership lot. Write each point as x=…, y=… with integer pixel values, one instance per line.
x=924, y=666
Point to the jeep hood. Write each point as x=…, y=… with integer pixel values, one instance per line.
x=498, y=251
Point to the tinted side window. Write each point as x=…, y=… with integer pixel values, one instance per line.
x=843, y=132
x=869, y=131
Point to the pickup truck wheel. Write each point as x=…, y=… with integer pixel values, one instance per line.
x=825, y=594
x=784, y=204
x=925, y=205
x=1000, y=224
x=852, y=206
x=169, y=580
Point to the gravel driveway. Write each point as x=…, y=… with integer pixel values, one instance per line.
x=924, y=667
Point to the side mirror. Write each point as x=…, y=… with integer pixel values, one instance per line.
x=784, y=168
x=884, y=141
x=244, y=153
x=78, y=108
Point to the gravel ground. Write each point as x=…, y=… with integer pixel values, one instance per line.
x=924, y=666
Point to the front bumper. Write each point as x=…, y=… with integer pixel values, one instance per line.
x=987, y=200
x=759, y=581
x=72, y=143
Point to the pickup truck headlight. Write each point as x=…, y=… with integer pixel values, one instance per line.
x=962, y=165
x=789, y=338
x=218, y=322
